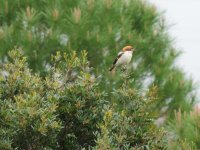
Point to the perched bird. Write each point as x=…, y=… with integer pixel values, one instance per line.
x=123, y=58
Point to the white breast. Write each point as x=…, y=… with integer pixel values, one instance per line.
x=125, y=58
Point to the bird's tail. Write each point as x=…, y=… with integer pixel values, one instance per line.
x=113, y=67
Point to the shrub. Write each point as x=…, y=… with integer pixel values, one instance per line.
x=129, y=122
x=52, y=111
x=64, y=108
x=28, y=116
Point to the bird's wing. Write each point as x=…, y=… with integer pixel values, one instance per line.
x=116, y=59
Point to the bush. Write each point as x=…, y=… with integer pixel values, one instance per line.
x=65, y=109
x=131, y=126
x=28, y=111
x=51, y=111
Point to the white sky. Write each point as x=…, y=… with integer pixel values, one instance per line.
x=184, y=15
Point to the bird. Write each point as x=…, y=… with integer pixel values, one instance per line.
x=123, y=57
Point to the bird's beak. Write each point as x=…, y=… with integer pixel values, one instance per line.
x=133, y=49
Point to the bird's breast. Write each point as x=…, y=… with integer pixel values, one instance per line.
x=125, y=58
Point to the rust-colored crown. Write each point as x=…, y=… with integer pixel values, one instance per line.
x=128, y=48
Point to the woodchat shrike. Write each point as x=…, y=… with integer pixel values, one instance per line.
x=123, y=58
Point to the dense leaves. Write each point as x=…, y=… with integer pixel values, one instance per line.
x=65, y=109
x=129, y=122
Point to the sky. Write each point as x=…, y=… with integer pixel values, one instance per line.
x=184, y=16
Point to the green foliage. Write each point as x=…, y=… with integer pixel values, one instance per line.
x=27, y=117
x=59, y=102
x=80, y=103
x=52, y=111
x=186, y=129
x=131, y=127
x=65, y=108
x=43, y=27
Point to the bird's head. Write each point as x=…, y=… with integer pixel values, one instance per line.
x=128, y=48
